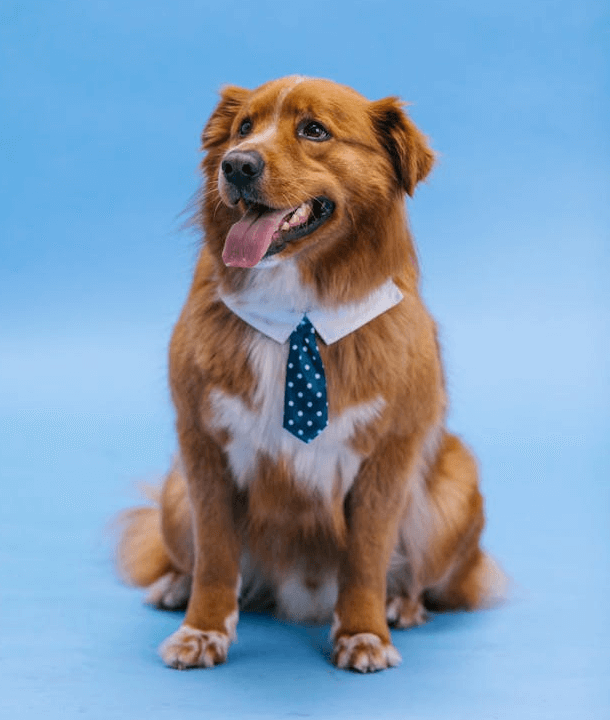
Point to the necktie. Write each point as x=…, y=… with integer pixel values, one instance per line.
x=305, y=404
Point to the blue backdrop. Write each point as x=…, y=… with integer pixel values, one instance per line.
x=102, y=104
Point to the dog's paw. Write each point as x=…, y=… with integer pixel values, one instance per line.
x=170, y=592
x=402, y=612
x=189, y=648
x=364, y=652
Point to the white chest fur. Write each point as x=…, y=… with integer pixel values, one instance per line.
x=326, y=464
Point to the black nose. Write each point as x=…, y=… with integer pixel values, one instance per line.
x=241, y=168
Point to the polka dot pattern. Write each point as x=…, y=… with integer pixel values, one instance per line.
x=305, y=403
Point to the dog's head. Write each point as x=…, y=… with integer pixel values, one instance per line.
x=306, y=166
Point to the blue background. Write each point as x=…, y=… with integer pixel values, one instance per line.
x=102, y=104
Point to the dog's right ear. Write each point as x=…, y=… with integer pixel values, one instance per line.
x=218, y=127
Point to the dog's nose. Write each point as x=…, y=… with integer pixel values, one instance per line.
x=241, y=168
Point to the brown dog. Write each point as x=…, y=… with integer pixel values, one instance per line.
x=350, y=495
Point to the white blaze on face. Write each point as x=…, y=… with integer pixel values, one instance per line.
x=267, y=132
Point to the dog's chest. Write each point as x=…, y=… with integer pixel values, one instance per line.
x=327, y=465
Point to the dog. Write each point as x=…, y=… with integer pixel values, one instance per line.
x=315, y=474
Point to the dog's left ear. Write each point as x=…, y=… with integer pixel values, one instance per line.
x=407, y=147
x=218, y=127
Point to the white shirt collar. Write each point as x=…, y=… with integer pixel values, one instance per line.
x=331, y=324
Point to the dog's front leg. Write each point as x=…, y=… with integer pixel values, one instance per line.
x=360, y=631
x=204, y=637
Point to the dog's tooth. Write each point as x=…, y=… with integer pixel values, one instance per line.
x=298, y=216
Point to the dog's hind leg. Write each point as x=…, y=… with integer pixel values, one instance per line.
x=438, y=563
x=155, y=549
x=176, y=521
x=172, y=590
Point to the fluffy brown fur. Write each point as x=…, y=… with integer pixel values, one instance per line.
x=387, y=522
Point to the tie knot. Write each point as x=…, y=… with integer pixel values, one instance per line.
x=305, y=328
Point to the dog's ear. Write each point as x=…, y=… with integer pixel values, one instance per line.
x=218, y=127
x=407, y=147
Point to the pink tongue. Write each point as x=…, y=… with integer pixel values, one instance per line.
x=249, y=239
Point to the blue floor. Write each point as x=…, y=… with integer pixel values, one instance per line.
x=101, y=110
x=75, y=643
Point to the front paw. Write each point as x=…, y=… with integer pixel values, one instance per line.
x=364, y=652
x=189, y=647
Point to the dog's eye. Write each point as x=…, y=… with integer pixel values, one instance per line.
x=245, y=127
x=313, y=130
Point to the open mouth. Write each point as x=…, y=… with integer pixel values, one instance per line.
x=263, y=231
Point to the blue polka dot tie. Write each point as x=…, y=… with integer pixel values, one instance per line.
x=305, y=403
